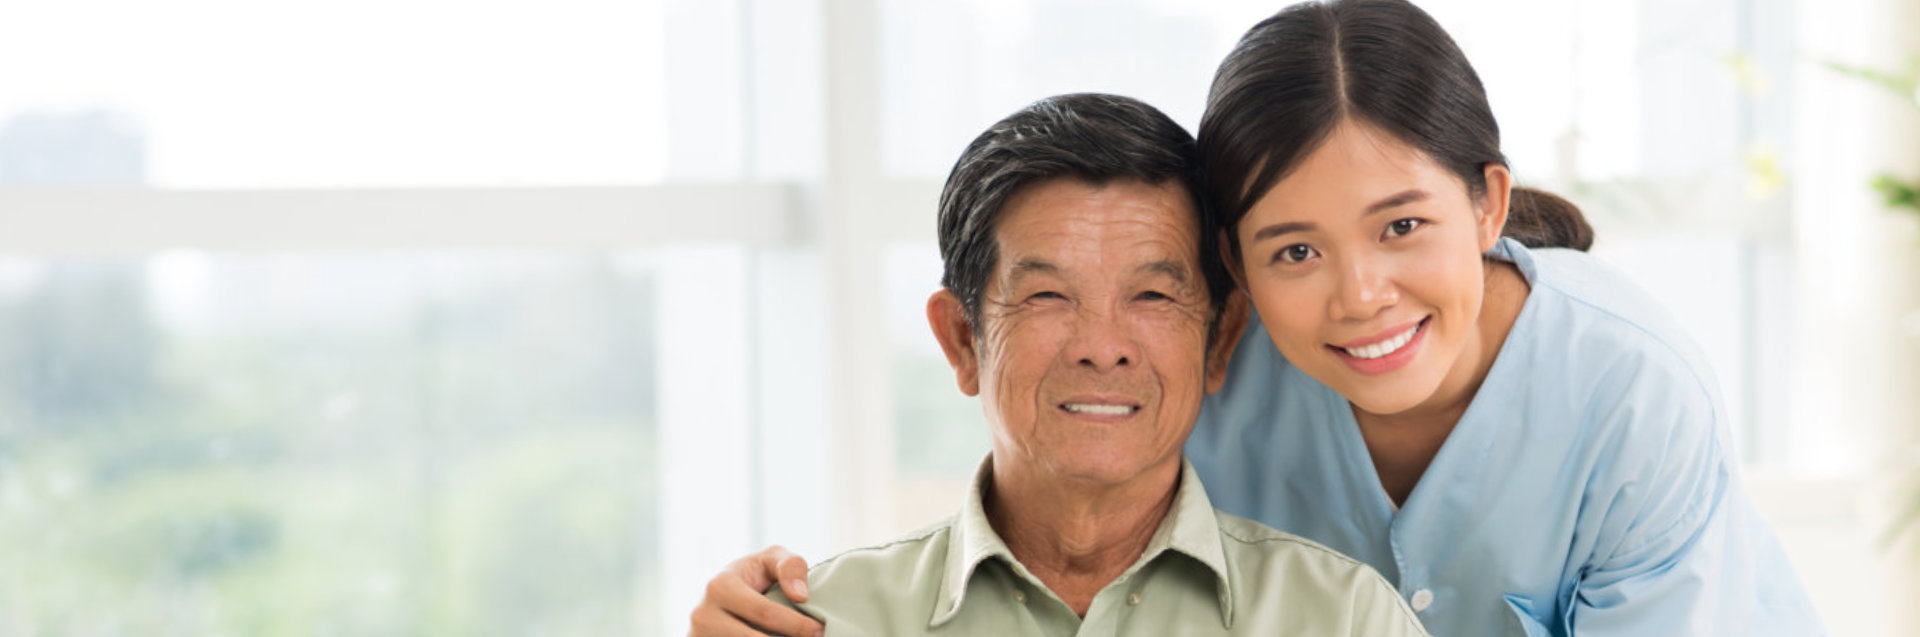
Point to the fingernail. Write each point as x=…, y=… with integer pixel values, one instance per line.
x=800, y=586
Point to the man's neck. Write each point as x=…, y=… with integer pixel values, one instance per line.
x=1079, y=538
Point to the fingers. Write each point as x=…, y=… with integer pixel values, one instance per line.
x=711, y=621
x=791, y=571
x=777, y=564
x=752, y=570
x=731, y=608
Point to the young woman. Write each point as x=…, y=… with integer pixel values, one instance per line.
x=1515, y=436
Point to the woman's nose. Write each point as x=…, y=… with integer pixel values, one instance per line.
x=1365, y=287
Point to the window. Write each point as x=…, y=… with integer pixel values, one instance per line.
x=421, y=443
x=210, y=94
x=428, y=318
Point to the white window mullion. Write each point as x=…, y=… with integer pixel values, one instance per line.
x=706, y=491
x=46, y=221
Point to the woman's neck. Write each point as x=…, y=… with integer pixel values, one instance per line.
x=1403, y=444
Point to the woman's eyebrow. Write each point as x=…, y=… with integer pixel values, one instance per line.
x=1404, y=198
x=1278, y=229
x=1400, y=199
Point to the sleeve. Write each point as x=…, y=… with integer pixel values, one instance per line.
x=1672, y=553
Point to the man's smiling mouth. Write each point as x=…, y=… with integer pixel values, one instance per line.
x=1099, y=409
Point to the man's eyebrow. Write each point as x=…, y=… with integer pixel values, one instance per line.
x=1401, y=199
x=1172, y=269
x=1030, y=266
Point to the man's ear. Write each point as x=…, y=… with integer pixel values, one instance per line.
x=1226, y=338
x=1493, y=206
x=949, y=322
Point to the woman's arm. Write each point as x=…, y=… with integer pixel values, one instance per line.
x=736, y=604
x=1681, y=550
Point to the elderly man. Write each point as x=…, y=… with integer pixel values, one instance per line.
x=1084, y=303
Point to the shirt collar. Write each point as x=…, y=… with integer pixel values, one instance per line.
x=1512, y=251
x=1191, y=528
x=972, y=542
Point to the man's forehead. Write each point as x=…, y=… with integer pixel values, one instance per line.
x=1171, y=192
x=1067, y=203
x=1179, y=269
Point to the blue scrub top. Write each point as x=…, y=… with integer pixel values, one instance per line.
x=1591, y=488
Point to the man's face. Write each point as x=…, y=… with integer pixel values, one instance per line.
x=1091, y=358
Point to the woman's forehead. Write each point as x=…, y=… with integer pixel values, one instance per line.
x=1356, y=167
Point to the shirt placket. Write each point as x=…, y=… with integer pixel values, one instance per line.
x=1109, y=608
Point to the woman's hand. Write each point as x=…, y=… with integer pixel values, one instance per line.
x=736, y=603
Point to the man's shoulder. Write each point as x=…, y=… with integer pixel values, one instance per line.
x=1294, y=584
x=920, y=552
x=1244, y=538
x=886, y=587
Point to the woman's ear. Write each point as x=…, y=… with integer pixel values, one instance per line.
x=1493, y=206
x=948, y=318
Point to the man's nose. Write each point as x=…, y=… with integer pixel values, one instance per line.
x=1365, y=287
x=1102, y=342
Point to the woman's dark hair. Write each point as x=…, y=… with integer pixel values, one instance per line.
x=1095, y=138
x=1385, y=63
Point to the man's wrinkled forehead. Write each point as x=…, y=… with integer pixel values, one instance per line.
x=1174, y=270
x=1174, y=226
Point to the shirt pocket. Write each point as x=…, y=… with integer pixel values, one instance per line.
x=1522, y=621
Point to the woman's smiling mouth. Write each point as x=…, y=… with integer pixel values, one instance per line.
x=1384, y=347
x=1383, y=354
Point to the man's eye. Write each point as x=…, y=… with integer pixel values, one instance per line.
x=1400, y=227
x=1153, y=295
x=1049, y=294
x=1294, y=253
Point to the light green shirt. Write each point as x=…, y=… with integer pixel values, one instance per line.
x=1203, y=573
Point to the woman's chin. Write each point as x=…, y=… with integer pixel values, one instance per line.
x=1384, y=406
x=1388, y=398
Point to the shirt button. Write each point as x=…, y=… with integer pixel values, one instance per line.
x=1019, y=596
x=1422, y=599
x=1133, y=599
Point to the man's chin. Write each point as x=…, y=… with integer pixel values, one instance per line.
x=1110, y=472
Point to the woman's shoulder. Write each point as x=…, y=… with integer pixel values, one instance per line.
x=1616, y=382
x=1594, y=315
x=1582, y=282
x=1629, y=366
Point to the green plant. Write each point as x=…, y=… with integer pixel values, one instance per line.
x=1908, y=514
x=1897, y=193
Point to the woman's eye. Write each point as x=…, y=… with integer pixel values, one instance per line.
x=1152, y=295
x=1294, y=253
x=1400, y=227
x=1047, y=295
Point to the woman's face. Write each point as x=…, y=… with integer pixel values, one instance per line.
x=1365, y=264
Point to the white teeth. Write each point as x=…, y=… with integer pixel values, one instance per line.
x=1103, y=410
x=1385, y=347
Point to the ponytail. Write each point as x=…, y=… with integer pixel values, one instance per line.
x=1540, y=219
